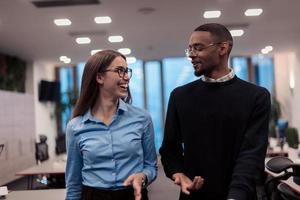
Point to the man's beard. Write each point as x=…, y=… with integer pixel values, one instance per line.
x=198, y=73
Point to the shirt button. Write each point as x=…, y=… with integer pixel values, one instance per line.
x=113, y=173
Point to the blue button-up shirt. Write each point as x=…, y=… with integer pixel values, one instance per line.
x=104, y=156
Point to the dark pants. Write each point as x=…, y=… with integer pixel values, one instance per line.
x=90, y=193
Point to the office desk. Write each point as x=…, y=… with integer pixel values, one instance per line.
x=57, y=194
x=55, y=166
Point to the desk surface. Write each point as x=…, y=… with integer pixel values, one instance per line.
x=56, y=165
x=57, y=194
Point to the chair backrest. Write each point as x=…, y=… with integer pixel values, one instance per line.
x=1, y=148
x=60, y=144
x=41, y=149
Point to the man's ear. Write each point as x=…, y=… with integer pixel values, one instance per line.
x=224, y=48
x=100, y=78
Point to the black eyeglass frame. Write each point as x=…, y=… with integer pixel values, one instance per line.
x=121, y=71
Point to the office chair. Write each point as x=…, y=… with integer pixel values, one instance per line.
x=292, y=137
x=41, y=149
x=60, y=147
x=1, y=148
x=286, y=168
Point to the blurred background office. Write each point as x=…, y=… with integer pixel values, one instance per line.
x=43, y=46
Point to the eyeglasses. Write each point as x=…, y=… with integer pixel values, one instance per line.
x=121, y=71
x=198, y=48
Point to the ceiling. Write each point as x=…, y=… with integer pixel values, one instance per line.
x=29, y=32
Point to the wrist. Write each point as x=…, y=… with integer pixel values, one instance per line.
x=144, y=180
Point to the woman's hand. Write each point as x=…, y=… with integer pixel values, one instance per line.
x=136, y=180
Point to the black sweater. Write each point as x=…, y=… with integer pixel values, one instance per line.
x=218, y=131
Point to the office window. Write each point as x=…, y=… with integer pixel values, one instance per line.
x=240, y=67
x=79, y=69
x=264, y=71
x=66, y=90
x=176, y=72
x=136, y=84
x=154, y=98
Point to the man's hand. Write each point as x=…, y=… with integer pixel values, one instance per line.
x=136, y=180
x=186, y=184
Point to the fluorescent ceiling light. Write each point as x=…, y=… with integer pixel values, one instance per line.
x=131, y=60
x=83, y=40
x=237, y=32
x=253, y=12
x=212, y=14
x=124, y=51
x=62, y=22
x=103, y=20
x=116, y=38
x=95, y=51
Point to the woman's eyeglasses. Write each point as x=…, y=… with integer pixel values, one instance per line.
x=121, y=71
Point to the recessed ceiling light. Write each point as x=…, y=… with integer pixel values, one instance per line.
x=62, y=58
x=83, y=40
x=103, y=20
x=212, y=14
x=237, y=32
x=131, y=60
x=62, y=22
x=67, y=61
x=269, y=48
x=253, y=12
x=95, y=51
x=125, y=51
x=116, y=38
x=264, y=51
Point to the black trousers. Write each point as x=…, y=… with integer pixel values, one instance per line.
x=90, y=193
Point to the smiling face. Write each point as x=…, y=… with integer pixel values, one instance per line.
x=204, y=52
x=111, y=84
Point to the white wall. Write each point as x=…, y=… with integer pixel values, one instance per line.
x=287, y=70
x=17, y=133
x=44, y=112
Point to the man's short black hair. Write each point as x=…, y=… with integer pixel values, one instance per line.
x=218, y=31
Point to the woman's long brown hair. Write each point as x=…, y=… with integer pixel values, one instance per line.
x=89, y=87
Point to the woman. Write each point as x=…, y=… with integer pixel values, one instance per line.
x=110, y=144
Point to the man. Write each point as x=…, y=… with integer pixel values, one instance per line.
x=216, y=128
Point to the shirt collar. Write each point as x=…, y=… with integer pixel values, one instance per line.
x=122, y=107
x=224, y=78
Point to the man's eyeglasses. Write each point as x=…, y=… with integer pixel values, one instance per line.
x=198, y=48
x=121, y=71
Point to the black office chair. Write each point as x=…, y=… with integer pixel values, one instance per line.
x=288, y=169
x=1, y=148
x=60, y=147
x=41, y=149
